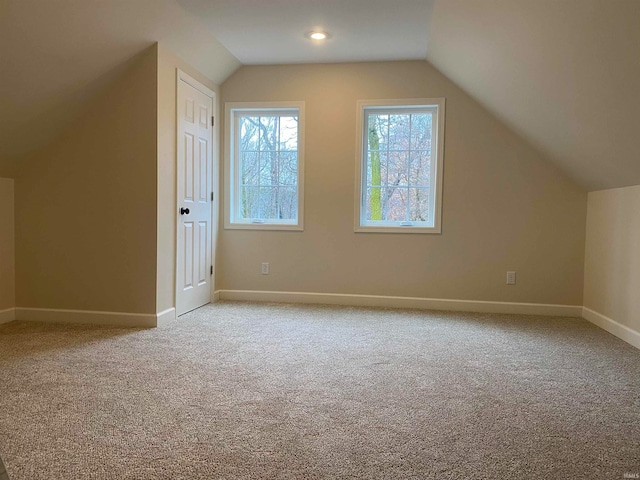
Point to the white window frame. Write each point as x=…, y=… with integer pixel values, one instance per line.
x=400, y=105
x=232, y=178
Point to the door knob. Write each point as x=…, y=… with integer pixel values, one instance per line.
x=184, y=211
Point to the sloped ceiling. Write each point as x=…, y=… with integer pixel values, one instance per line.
x=565, y=74
x=55, y=54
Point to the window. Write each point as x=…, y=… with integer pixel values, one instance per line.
x=399, y=166
x=265, y=165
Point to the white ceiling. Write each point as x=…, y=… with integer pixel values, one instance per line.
x=564, y=74
x=272, y=32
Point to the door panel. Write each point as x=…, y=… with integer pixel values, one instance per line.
x=204, y=192
x=188, y=167
x=188, y=256
x=202, y=263
x=195, y=183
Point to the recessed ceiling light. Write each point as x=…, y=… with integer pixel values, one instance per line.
x=317, y=35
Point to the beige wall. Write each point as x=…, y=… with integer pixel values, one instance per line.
x=7, y=245
x=505, y=206
x=612, y=257
x=86, y=205
x=168, y=62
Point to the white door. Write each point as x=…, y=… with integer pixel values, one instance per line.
x=195, y=194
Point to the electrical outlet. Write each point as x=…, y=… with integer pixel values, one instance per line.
x=265, y=268
x=511, y=278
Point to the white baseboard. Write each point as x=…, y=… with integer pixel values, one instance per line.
x=8, y=315
x=166, y=317
x=216, y=296
x=402, y=302
x=120, y=319
x=621, y=331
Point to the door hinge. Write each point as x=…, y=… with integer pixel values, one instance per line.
x=212, y=196
x=211, y=270
x=213, y=121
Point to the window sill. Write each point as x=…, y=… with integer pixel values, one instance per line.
x=264, y=226
x=394, y=229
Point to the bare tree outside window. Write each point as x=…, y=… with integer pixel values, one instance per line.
x=268, y=166
x=399, y=166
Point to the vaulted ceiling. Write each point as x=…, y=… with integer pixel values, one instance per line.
x=563, y=74
x=56, y=54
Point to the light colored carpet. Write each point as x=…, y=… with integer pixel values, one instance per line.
x=238, y=390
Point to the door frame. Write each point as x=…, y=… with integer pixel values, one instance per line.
x=182, y=76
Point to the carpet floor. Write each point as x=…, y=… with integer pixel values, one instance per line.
x=243, y=390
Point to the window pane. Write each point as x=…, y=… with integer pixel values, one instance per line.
x=249, y=169
x=421, y=124
x=383, y=131
x=377, y=169
x=268, y=168
x=287, y=203
x=384, y=200
x=419, y=205
x=396, y=204
x=378, y=125
x=420, y=169
x=288, y=140
x=374, y=203
x=288, y=168
x=268, y=202
x=249, y=133
x=268, y=133
x=399, y=132
x=398, y=167
x=249, y=207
